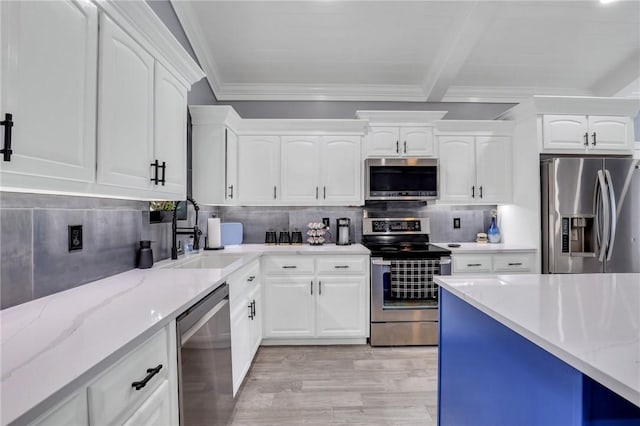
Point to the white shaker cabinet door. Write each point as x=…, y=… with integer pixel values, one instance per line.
x=170, y=133
x=457, y=169
x=493, y=169
x=417, y=142
x=48, y=80
x=341, y=171
x=341, y=307
x=290, y=306
x=258, y=169
x=72, y=412
x=607, y=133
x=125, y=109
x=256, y=322
x=300, y=169
x=231, y=166
x=240, y=343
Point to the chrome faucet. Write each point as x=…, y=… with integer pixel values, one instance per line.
x=175, y=230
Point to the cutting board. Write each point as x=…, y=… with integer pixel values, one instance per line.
x=231, y=233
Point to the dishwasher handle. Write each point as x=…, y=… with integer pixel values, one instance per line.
x=191, y=319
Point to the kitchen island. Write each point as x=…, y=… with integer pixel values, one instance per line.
x=540, y=349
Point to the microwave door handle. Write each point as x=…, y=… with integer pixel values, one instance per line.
x=613, y=223
x=605, y=215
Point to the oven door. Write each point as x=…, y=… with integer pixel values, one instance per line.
x=399, y=294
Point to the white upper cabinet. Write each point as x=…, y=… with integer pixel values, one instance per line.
x=341, y=170
x=300, y=160
x=48, y=85
x=125, y=110
x=170, y=132
x=475, y=170
x=231, y=167
x=586, y=134
x=400, y=142
x=457, y=168
x=258, y=169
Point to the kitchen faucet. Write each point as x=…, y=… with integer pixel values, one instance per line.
x=175, y=230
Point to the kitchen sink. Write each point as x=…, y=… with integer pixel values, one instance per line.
x=210, y=261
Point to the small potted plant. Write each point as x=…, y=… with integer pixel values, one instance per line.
x=161, y=211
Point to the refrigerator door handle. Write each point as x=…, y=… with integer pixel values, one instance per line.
x=605, y=212
x=614, y=217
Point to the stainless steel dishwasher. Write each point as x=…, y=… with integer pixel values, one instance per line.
x=204, y=359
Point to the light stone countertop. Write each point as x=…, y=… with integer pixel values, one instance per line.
x=589, y=321
x=479, y=248
x=52, y=345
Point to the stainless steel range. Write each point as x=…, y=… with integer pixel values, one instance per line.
x=404, y=297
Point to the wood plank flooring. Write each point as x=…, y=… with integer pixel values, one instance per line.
x=340, y=385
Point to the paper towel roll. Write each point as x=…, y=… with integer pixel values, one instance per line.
x=213, y=232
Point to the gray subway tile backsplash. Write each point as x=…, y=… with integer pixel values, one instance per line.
x=36, y=261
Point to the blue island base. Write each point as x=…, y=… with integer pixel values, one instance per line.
x=490, y=375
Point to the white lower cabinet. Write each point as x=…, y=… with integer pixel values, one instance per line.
x=141, y=388
x=310, y=297
x=493, y=263
x=246, y=319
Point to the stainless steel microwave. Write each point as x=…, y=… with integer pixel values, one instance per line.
x=401, y=179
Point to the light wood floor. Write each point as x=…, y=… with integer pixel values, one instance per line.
x=340, y=385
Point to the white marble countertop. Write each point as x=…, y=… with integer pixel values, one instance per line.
x=50, y=346
x=478, y=248
x=590, y=321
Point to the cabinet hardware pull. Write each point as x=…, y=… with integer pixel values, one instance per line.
x=473, y=191
x=289, y=267
x=150, y=373
x=250, y=306
x=8, y=124
x=405, y=147
x=594, y=138
x=231, y=192
x=320, y=288
x=253, y=308
x=316, y=192
x=164, y=170
x=274, y=192
x=480, y=191
x=397, y=147
x=251, y=278
x=586, y=139
x=155, y=179
x=515, y=264
x=324, y=192
x=474, y=264
x=311, y=286
x=341, y=266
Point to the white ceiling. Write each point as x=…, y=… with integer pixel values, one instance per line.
x=413, y=50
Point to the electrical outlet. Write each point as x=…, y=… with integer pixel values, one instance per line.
x=456, y=223
x=75, y=237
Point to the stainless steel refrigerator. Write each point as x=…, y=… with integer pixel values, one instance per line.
x=590, y=215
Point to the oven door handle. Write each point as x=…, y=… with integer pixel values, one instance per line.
x=380, y=261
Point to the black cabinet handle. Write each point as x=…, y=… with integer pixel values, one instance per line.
x=405, y=147
x=253, y=309
x=397, y=147
x=316, y=192
x=319, y=287
x=341, y=266
x=324, y=192
x=480, y=191
x=275, y=193
x=231, y=192
x=8, y=124
x=311, y=286
x=473, y=191
x=150, y=373
x=250, y=306
x=594, y=138
x=251, y=278
x=515, y=264
x=164, y=170
x=155, y=165
x=289, y=267
x=474, y=264
x=586, y=139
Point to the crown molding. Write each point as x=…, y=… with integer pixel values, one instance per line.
x=140, y=21
x=513, y=94
x=214, y=114
x=404, y=117
x=305, y=92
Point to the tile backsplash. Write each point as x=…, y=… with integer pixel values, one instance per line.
x=36, y=261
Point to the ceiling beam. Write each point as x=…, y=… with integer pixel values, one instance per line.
x=456, y=48
x=619, y=77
